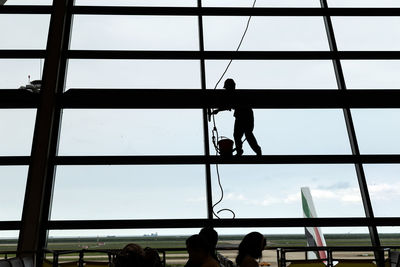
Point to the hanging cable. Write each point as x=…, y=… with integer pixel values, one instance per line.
x=215, y=135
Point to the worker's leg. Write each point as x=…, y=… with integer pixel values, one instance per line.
x=251, y=139
x=238, y=132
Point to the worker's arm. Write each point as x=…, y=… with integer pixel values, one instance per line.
x=215, y=111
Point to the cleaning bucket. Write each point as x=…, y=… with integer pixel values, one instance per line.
x=225, y=147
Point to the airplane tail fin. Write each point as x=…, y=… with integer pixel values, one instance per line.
x=314, y=236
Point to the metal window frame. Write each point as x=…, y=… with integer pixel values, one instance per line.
x=50, y=103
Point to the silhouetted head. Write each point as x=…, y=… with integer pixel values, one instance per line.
x=230, y=84
x=211, y=236
x=252, y=244
x=130, y=255
x=151, y=258
x=198, y=249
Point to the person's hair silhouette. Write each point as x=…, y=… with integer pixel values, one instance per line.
x=250, y=249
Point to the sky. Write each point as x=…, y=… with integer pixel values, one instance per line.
x=162, y=192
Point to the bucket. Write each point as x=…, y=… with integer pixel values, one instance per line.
x=225, y=147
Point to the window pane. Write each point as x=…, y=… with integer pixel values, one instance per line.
x=24, y=31
x=377, y=130
x=129, y=192
x=15, y=73
x=270, y=3
x=265, y=33
x=134, y=32
x=389, y=236
x=29, y=2
x=131, y=132
x=367, y=33
x=273, y=74
x=286, y=132
x=364, y=3
x=141, y=74
x=274, y=190
x=8, y=242
x=384, y=188
x=373, y=74
x=16, y=131
x=136, y=3
x=12, y=192
x=118, y=238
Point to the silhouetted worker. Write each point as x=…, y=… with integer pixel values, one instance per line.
x=244, y=123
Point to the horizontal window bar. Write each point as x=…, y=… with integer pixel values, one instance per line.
x=181, y=98
x=10, y=225
x=268, y=159
x=22, y=53
x=194, y=223
x=223, y=11
x=255, y=55
x=10, y=9
x=14, y=160
x=209, y=55
x=188, y=98
x=18, y=99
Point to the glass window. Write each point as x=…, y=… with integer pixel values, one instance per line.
x=389, y=236
x=24, y=31
x=364, y=3
x=16, y=131
x=265, y=33
x=367, y=33
x=270, y=191
x=141, y=74
x=12, y=192
x=270, y=3
x=273, y=74
x=372, y=74
x=16, y=73
x=295, y=131
x=101, y=32
x=131, y=132
x=29, y=2
x=118, y=238
x=129, y=192
x=8, y=242
x=377, y=130
x=136, y=3
x=384, y=188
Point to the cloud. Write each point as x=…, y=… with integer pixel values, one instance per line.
x=347, y=195
x=384, y=191
x=339, y=185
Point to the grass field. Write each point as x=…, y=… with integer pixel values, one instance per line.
x=114, y=242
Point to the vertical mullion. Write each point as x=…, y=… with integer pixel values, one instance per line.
x=205, y=116
x=352, y=135
x=40, y=181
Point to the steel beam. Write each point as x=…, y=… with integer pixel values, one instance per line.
x=198, y=223
x=10, y=9
x=196, y=160
x=192, y=98
x=39, y=187
x=232, y=11
x=226, y=55
x=205, y=119
x=181, y=98
x=352, y=137
x=32, y=54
